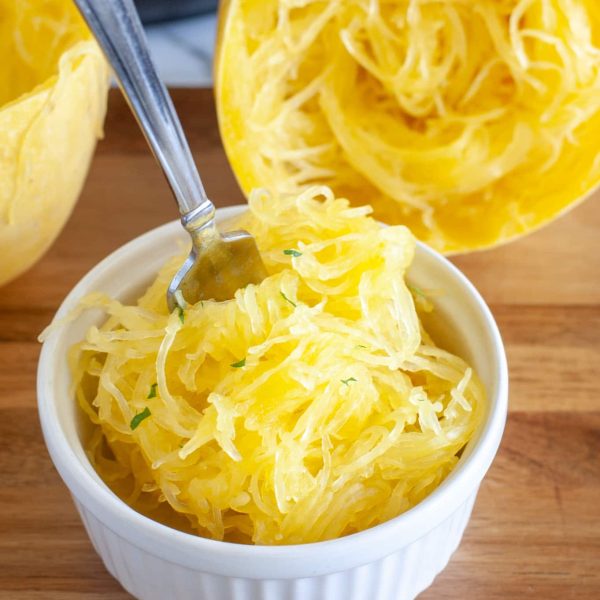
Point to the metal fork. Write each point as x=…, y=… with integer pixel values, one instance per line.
x=218, y=264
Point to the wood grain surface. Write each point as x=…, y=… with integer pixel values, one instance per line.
x=535, y=531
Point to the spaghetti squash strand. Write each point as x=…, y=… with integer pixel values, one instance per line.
x=293, y=412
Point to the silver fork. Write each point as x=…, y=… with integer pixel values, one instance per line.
x=218, y=264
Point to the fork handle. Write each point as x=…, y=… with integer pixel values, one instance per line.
x=119, y=32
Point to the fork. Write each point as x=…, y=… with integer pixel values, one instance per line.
x=218, y=264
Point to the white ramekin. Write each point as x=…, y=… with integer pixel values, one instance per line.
x=395, y=560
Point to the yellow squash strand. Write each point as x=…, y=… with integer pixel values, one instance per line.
x=309, y=407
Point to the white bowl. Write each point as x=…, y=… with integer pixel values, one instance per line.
x=395, y=560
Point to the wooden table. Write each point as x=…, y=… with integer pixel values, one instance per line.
x=535, y=531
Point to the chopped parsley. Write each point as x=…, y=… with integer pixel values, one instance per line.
x=347, y=381
x=288, y=300
x=361, y=346
x=152, y=392
x=417, y=291
x=292, y=252
x=181, y=314
x=139, y=418
x=239, y=364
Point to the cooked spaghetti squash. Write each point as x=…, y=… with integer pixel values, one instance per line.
x=53, y=89
x=471, y=122
x=310, y=406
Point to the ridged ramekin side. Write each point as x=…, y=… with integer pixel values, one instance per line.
x=399, y=576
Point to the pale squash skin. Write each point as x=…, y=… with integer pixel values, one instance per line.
x=477, y=223
x=47, y=139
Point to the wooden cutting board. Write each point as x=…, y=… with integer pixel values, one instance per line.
x=535, y=531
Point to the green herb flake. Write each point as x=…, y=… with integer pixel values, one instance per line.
x=348, y=381
x=417, y=291
x=288, y=300
x=292, y=252
x=361, y=346
x=135, y=422
x=181, y=314
x=239, y=364
x=152, y=392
